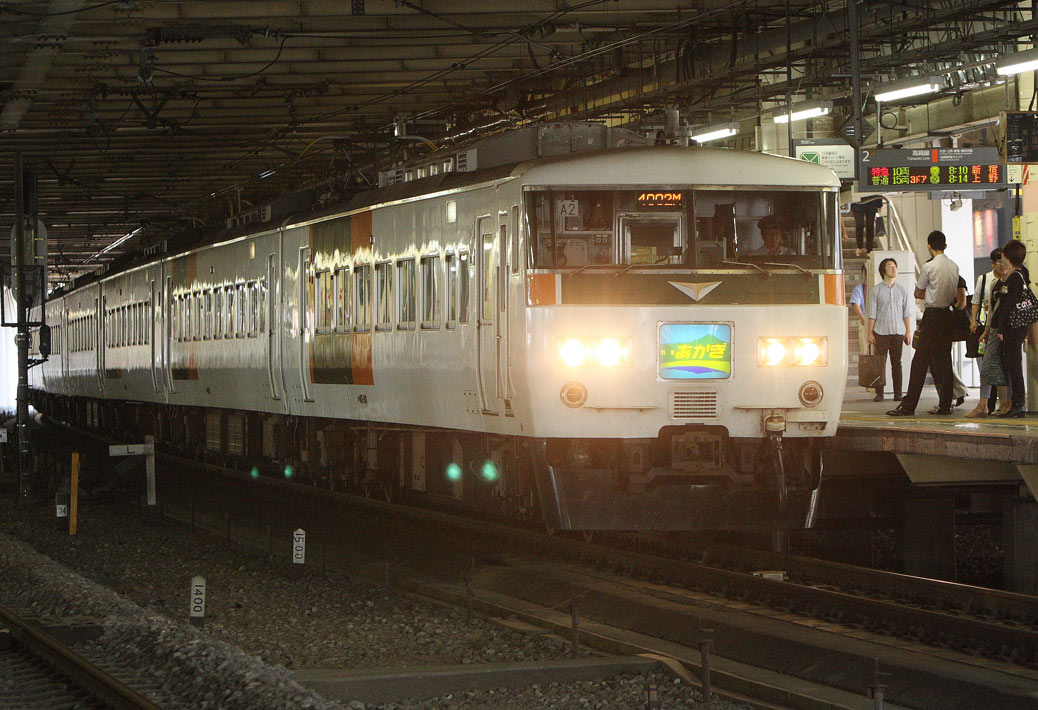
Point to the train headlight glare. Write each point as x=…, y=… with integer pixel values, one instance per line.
x=572, y=352
x=610, y=352
x=598, y=352
x=792, y=352
x=807, y=352
x=772, y=351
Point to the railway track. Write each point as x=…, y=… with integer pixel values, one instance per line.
x=42, y=672
x=983, y=622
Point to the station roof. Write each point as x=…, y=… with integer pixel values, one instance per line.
x=154, y=118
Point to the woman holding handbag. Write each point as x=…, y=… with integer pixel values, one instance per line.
x=1017, y=311
x=992, y=374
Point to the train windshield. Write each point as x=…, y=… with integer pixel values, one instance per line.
x=573, y=229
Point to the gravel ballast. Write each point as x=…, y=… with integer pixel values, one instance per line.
x=262, y=621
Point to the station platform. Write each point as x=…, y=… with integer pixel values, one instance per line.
x=930, y=470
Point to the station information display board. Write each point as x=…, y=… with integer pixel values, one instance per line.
x=928, y=169
x=1021, y=134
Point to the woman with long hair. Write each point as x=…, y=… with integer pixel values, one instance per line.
x=1016, y=278
x=992, y=374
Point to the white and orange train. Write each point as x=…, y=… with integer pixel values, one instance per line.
x=596, y=335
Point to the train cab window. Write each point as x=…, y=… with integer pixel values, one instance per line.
x=362, y=301
x=765, y=227
x=240, y=315
x=406, y=306
x=430, y=292
x=451, y=264
x=254, y=309
x=384, y=295
x=343, y=289
x=464, y=286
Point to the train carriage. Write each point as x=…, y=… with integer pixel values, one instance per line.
x=600, y=338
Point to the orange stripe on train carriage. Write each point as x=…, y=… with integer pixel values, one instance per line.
x=834, y=293
x=540, y=289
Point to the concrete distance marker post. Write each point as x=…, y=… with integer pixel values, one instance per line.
x=197, y=616
x=298, y=548
x=61, y=510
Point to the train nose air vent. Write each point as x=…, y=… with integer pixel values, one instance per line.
x=693, y=405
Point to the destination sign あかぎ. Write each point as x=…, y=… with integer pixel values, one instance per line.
x=695, y=351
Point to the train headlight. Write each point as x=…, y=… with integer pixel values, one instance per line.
x=771, y=352
x=572, y=352
x=809, y=351
x=792, y=352
x=602, y=352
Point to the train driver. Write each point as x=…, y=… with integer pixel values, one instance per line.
x=772, y=230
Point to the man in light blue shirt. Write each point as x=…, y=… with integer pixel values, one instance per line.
x=889, y=314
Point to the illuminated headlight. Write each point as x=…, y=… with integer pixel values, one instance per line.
x=603, y=352
x=792, y=352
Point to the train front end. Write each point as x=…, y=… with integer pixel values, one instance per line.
x=686, y=347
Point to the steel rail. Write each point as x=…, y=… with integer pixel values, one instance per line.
x=82, y=672
x=883, y=615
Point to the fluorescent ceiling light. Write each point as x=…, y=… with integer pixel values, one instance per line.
x=1016, y=63
x=916, y=86
x=712, y=133
x=803, y=111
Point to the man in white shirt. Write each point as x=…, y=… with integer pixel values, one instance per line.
x=937, y=285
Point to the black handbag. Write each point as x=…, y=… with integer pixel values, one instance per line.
x=1025, y=311
x=871, y=370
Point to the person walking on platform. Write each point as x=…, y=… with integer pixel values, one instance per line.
x=936, y=285
x=992, y=374
x=1017, y=279
x=890, y=314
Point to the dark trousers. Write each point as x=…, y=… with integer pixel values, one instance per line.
x=891, y=344
x=1013, y=364
x=865, y=221
x=932, y=351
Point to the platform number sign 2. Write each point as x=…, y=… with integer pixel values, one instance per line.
x=299, y=547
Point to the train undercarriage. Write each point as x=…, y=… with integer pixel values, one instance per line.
x=690, y=477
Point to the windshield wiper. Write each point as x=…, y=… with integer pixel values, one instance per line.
x=746, y=264
x=799, y=268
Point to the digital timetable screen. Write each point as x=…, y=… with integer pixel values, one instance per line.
x=931, y=169
x=933, y=176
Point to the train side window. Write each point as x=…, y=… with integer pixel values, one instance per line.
x=362, y=302
x=514, y=255
x=253, y=310
x=229, y=325
x=463, y=286
x=218, y=296
x=322, y=301
x=406, y=307
x=240, y=315
x=196, y=307
x=262, y=293
x=430, y=292
x=146, y=321
x=342, y=300
x=451, y=267
x=384, y=291
x=122, y=326
x=207, y=305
